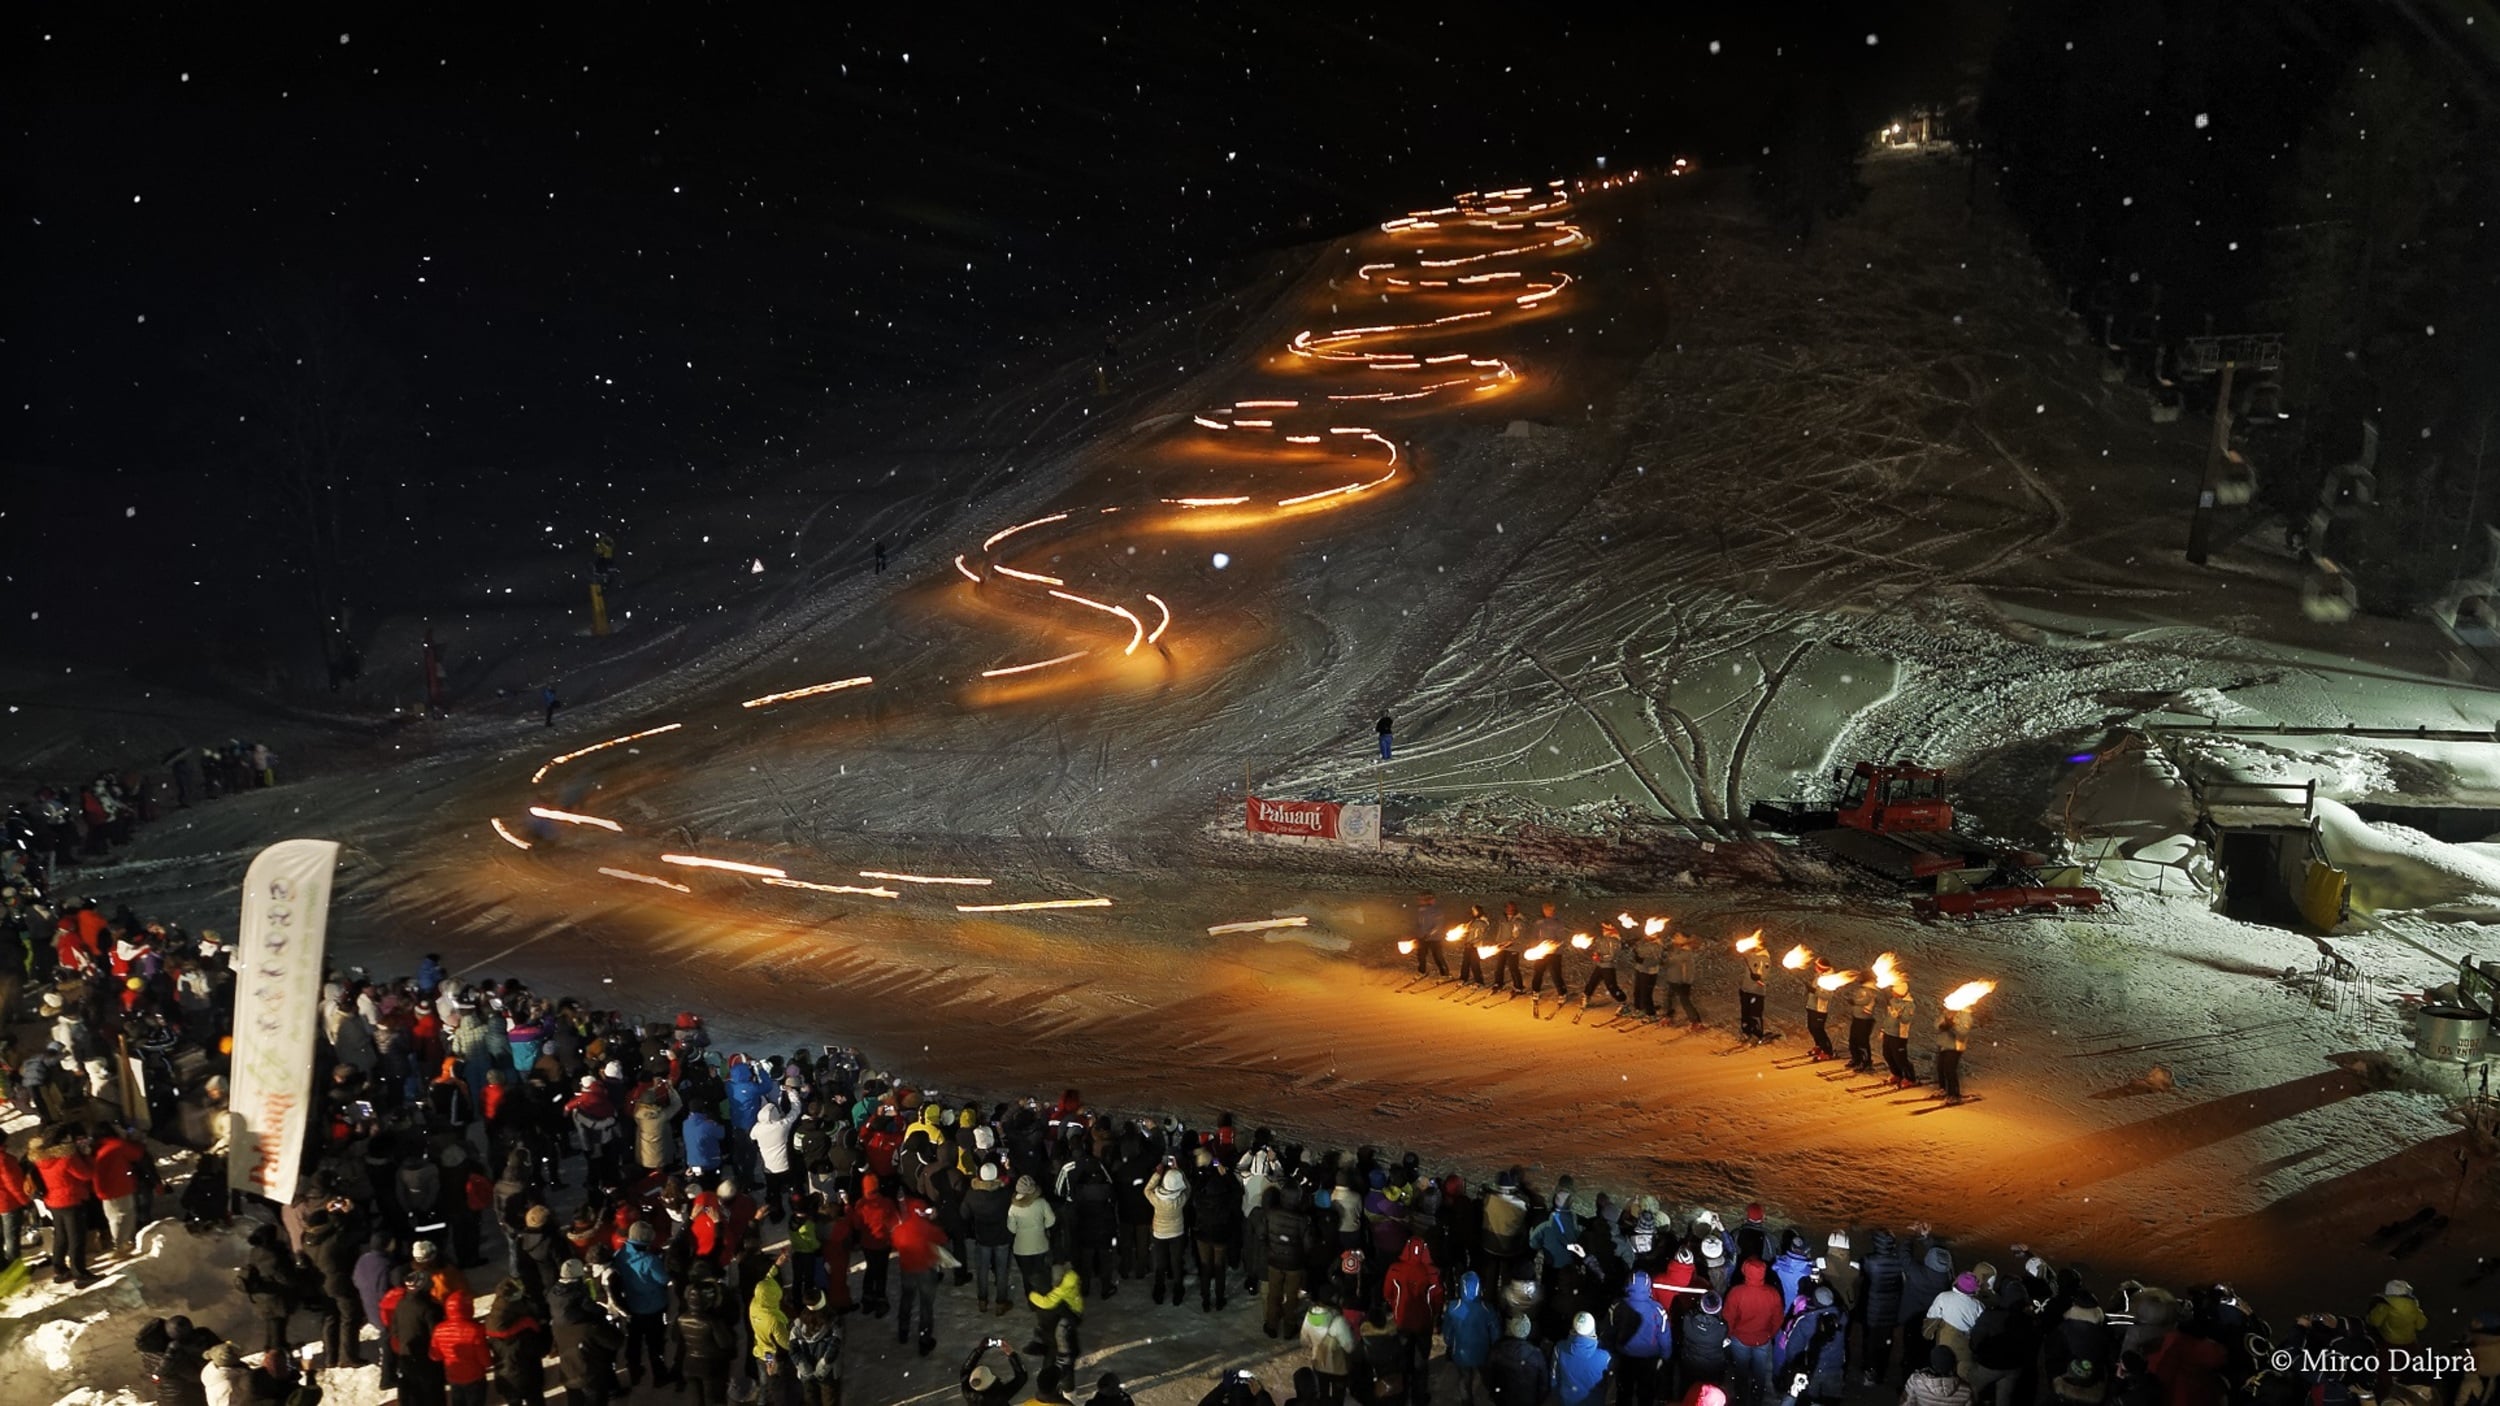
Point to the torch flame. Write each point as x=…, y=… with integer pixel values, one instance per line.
x=1455, y=933
x=1885, y=973
x=1654, y=926
x=1485, y=950
x=1406, y=947
x=1833, y=981
x=1580, y=940
x=1628, y=921
x=1797, y=957
x=1539, y=952
x=1967, y=995
x=1750, y=942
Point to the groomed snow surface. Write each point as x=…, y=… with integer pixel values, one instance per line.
x=1760, y=512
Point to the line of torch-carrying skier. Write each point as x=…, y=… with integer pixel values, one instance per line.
x=1524, y=955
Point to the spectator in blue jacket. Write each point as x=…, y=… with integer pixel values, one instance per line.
x=1469, y=1327
x=1580, y=1365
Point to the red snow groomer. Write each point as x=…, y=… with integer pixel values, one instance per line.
x=1895, y=820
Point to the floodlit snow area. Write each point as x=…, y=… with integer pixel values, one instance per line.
x=1749, y=515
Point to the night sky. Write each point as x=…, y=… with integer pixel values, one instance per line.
x=652, y=245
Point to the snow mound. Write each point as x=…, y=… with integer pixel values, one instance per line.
x=83, y=1340
x=2395, y=868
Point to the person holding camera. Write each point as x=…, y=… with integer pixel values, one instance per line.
x=982, y=1384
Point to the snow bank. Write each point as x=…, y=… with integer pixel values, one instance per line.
x=82, y=1339
x=2396, y=868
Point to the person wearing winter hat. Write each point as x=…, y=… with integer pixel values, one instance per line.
x=225, y=1380
x=1580, y=1365
x=986, y=1204
x=1939, y=1384
x=1754, y=1313
x=920, y=1260
x=1030, y=1220
x=1469, y=1328
x=1167, y=1195
x=2396, y=1318
x=1330, y=1340
x=1837, y=1269
x=981, y=1383
x=1109, y=1392
x=1950, y=1317
x=1701, y=1341
x=639, y=1284
x=1753, y=1235
x=1516, y=1372
x=1714, y=1266
x=1819, y=1011
x=1813, y=1346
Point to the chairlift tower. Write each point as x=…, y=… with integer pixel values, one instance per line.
x=2202, y=356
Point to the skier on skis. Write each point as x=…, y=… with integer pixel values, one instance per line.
x=1897, y=1015
x=1819, y=1010
x=1862, y=999
x=1476, y=932
x=1428, y=935
x=1604, y=958
x=1512, y=933
x=1678, y=969
x=1552, y=934
x=1952, y=1037
x=1751, y=989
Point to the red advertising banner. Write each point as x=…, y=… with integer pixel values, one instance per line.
x=1316, y=820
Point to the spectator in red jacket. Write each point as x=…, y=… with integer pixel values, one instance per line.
x=918, y=1270
x=2189, y=1369
x=1753, y=1315
x=116, y=1164
x=69, y=1191
x=459, y=1343
x=17, y=1199
x=872, y=1222
x=1412, y=1289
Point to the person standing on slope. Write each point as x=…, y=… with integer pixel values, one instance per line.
x=1862, y=1000
x=1819, y=1010
x=1512, y=933
x=1476, y=932
x=1752, y=989
x=1897, y=1016
x=1952, y=1037
x=1645, y=962
x=1550, y=933
x=1678, y=970
x=1428, y=935
x=1605, y=958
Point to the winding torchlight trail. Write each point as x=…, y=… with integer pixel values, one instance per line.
x=811, y=691
x=569, y=818
x=1259, y=925
x=1463, y=267
x=923, y=878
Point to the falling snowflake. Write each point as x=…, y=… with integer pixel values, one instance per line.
x=130, y=512
x=1714, y=46
x=1870, y=41
x=1222, y=560
x=756, y=567
x=2203, y=121
x=342, y=38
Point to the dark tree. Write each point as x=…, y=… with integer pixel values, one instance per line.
x=1810, y=174
x=319, y=421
